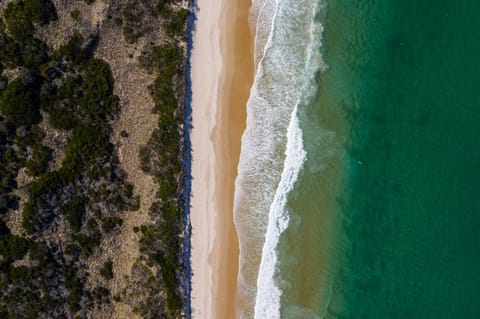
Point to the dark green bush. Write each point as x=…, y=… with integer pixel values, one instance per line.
x=164, y=59
x=26, y=50
x=75, y=15
x=10, y=53
x=98, y=100
x=87, y=145
x=107, y=270
x=163, y=9
x=20, y=104
x=88, y=243
x=74, y=286
x=60, y=104
x=176, y=24
x=110, y=223
x=74, y=212
x=34, y=53
x=39, y=253
x=19, y=274
x=73, y=50
x=41, y=11
x=19, y=23
x=13, y=248
x=101, y=295
x=37, y=165
x=133, y=19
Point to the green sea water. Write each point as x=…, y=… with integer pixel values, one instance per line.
x=407, y=77
x=360, y=165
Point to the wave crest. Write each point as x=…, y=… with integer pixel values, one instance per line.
x=287, y=56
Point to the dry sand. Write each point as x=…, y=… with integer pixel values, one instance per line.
x=222, y=74
x=206, y=66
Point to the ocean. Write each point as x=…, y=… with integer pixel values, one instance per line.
x=358, y=188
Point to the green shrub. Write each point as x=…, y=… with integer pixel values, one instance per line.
x=87, y=145
x=176, y=23
x=74, y=298
x=75, y=14
x=133, y=19
x=39, y=253
x=162, y=9
x=27, y=50
x=37, y=165
x=72, y=50
x=20, y=104
x=10, y=53
x=19, y=24
x=20, y=274
x=165, y=59
x=41, y=11
x=27, y=217
x=97, y=101
x=34, y=53
x=61, y=104
x=101, y=295
x=74, y=212
x=13, y=248
x=88, y=243
x=107, y=270
x=110, y=223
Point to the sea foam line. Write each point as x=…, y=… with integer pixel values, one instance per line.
x=257, y=150
x=268, y=298
x=267, y=303
x=286, y=64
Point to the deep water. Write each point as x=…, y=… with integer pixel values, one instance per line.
x=409, y=240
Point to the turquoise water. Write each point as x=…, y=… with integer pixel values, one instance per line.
x=411, y=222
x=374, y=210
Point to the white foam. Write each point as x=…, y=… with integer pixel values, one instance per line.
x=287, y=58
x=261, y=20
x=267, y=303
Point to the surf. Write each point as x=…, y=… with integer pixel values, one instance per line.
x=287, y=41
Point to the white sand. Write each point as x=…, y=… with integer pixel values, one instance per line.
x=205, y=74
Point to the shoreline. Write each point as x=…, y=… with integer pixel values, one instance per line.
x=236, y=80
x=221, y=75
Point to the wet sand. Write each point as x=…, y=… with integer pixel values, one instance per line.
x=222, y=74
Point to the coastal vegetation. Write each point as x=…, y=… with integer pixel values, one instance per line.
x=160, y=244
x=60, y=201
x=139, y=15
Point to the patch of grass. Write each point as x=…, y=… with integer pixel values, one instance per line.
x=75, y=15
x=107, y=270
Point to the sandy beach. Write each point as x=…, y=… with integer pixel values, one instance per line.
x=222, y=74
